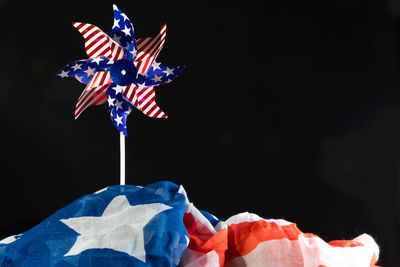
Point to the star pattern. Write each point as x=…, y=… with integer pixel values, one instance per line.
x=118, y=219
x=119, y=107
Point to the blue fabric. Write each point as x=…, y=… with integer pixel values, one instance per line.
x=165, y=236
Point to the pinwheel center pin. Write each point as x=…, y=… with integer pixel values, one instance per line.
x=123, y=72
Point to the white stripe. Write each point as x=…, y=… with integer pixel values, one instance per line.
x=154, y=111
x=86, y=104
x=94, y=37
x=142, y=104
x=149, y=107
x=88, y=32
x=131, y=90
x=84, y=27
x=251, y=217
x=96, y=44
x=102, y=101
x=94, y=83
x=88, y=94
x=143, y=43
x=101, y=50
x=99, y=77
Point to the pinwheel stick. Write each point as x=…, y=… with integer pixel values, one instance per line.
x=122, y=158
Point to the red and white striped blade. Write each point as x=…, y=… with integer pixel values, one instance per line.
x=117, y=52
x=97, y=43
x=95, y=92
x=148, y=49
x=144, y=100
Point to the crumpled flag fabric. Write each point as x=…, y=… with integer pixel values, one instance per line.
x=156, y=225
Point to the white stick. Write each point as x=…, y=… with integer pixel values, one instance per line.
x=122, y=158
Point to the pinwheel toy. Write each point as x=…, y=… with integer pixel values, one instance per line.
x=120, y=71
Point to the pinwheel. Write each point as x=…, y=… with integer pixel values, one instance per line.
x=120, y=70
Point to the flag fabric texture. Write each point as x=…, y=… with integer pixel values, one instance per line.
x=156, y=225
x=118, y=60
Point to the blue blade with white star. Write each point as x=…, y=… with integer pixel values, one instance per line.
x=159, y=74
x=119, y=107
x=117, y=226
x=122, y=32
x=83, y=70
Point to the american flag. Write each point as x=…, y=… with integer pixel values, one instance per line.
x=157, y=225
x=106, y=49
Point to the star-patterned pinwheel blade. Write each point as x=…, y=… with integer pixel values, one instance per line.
x=119, y=107
x=159, y=74
x=148, y=49
x=84, y=70
x=122, y=31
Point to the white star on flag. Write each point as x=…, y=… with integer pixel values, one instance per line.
x=117, y=38
x=10, y=239
x=79, y=78
x=156, y=65
x=97, y=60
x=169, y=71
x=124, y=16
x=110, y=101
x=118, y=89
x=118, y=105
x=63, y=74
x=90, y=71
x=119, y=219
x=133, y=52
x=77, y=67
x=118, y=119
x=116, y=23
x=141, y=85
x=156, y=78
x=126, y=31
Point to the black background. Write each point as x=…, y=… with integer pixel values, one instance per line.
x=288, y=109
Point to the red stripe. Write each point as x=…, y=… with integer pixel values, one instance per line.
x=100, y=99
x=101, y=93
x=144, y=42
x=151, y=102
x=101, y=75
x=157, y=113
x=150, y=50
x=145, y=94
x=87, y=39
x=78, y=25
x=105, y=42
x=89, y=28
x=203, y=240
x=345, y=243
x=91, y=40
x=103, y=78
x=139, y=41
x=246, y=236
x=151, y=43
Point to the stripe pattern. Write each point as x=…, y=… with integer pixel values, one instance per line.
x=144, y=99
x=97, y=43
x=117, y=52
x=148, y=48
x=246, y=239
x=95, y=92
